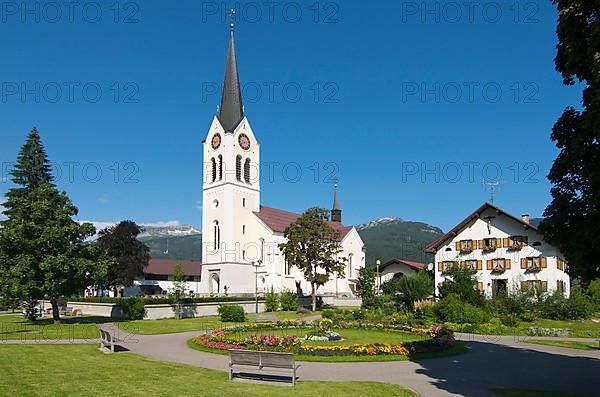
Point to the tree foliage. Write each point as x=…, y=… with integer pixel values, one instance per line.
x=179, y=289
x=131, y=255
x=460, y=282
x=42, y=250
x=313, y=247
x=365, y=287
x=414, y=287
x=572, y=220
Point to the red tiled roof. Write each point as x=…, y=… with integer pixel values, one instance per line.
x=279, y=220
x=432, y=248
x=414, y=265
x=167, y=267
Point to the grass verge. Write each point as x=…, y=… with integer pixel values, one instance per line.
x=591, y=345
x=36, y=370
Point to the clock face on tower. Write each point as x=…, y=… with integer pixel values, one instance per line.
x=244, y=141
x=216, y=141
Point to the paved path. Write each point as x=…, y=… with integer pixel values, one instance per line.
x=492, y=361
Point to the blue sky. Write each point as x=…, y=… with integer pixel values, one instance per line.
x=412, y=105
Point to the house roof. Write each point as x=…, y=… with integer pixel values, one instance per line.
x=414, y=265
x=231, y=111
x=167, y=267
x=279, y=220
x=433, y=247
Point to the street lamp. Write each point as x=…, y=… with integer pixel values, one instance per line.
x=256, y=265
x=378, y=262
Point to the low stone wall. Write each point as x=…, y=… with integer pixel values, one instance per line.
x=155, y=312
x=342, y=302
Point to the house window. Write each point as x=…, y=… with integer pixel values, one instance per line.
x=535, y=263
x=247, y=171
x=489, y=244
x=243, y=229
x=561, y=264
x=244, y=202
x=446, y=266
x=534, y=286
x=287, y=269
x=238, y=168
x=470, y=265
x=156, y=277
x=498, y=265
x=244, y=255
x=220, y=167
x=464, y=245
x=515, y=242
x=560, y=286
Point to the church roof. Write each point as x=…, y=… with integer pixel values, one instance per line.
x=279, y=220
x=231, y=111
x=167, y=267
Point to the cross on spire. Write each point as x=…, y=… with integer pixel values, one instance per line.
x=231, y=19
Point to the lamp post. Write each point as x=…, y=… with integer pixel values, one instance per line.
x=378, y=262
x=256, y=266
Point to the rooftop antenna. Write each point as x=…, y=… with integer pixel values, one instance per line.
x=493, y=187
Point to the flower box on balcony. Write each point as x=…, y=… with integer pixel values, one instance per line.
x=533, y=269
x=498, y=270
x=515, y=247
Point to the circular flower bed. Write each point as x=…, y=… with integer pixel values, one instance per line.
x=238, y=337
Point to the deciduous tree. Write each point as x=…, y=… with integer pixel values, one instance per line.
x=572, y=220
x=313, y=247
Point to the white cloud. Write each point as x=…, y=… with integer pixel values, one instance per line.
x=103, y=199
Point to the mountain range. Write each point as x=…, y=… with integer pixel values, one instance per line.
x=385, y=238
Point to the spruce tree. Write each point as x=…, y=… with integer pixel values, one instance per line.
x=42, y=250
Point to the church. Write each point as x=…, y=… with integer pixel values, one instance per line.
x=240, y=252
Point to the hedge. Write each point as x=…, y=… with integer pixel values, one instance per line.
x=169, y=301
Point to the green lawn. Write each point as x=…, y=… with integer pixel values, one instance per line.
x=537, y=393
x=169, y=326
x=591, y=345
x=577, y=328
x=14, y=326
x=82, y=370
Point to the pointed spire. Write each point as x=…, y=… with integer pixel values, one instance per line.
x=336, y=212
x=231, y=111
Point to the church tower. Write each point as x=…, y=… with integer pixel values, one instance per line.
x=231, y=185
x=336, y=212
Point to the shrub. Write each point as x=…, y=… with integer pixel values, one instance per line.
x=462, y=283
x=593, y=291
x=425, y=315
x=271, y=301
x=133, y=307
x=232, y=313
x=577, y=307
x=390, y=287
x=414, y=287
x=288, y=301
x=509, y=320
x=452, y=309
x=401, y=318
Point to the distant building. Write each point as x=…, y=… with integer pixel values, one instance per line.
x=505, y=253
x=397, y=268
x=158, y=278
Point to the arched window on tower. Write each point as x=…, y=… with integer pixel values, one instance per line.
x=220, y=167
x=238, y=168
x=213, y=164
x=216, y=235
x=247, y=171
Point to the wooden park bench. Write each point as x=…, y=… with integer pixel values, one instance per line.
x=107, y=340
x=269, y=366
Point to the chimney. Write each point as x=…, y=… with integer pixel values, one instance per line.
x=525, y=218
